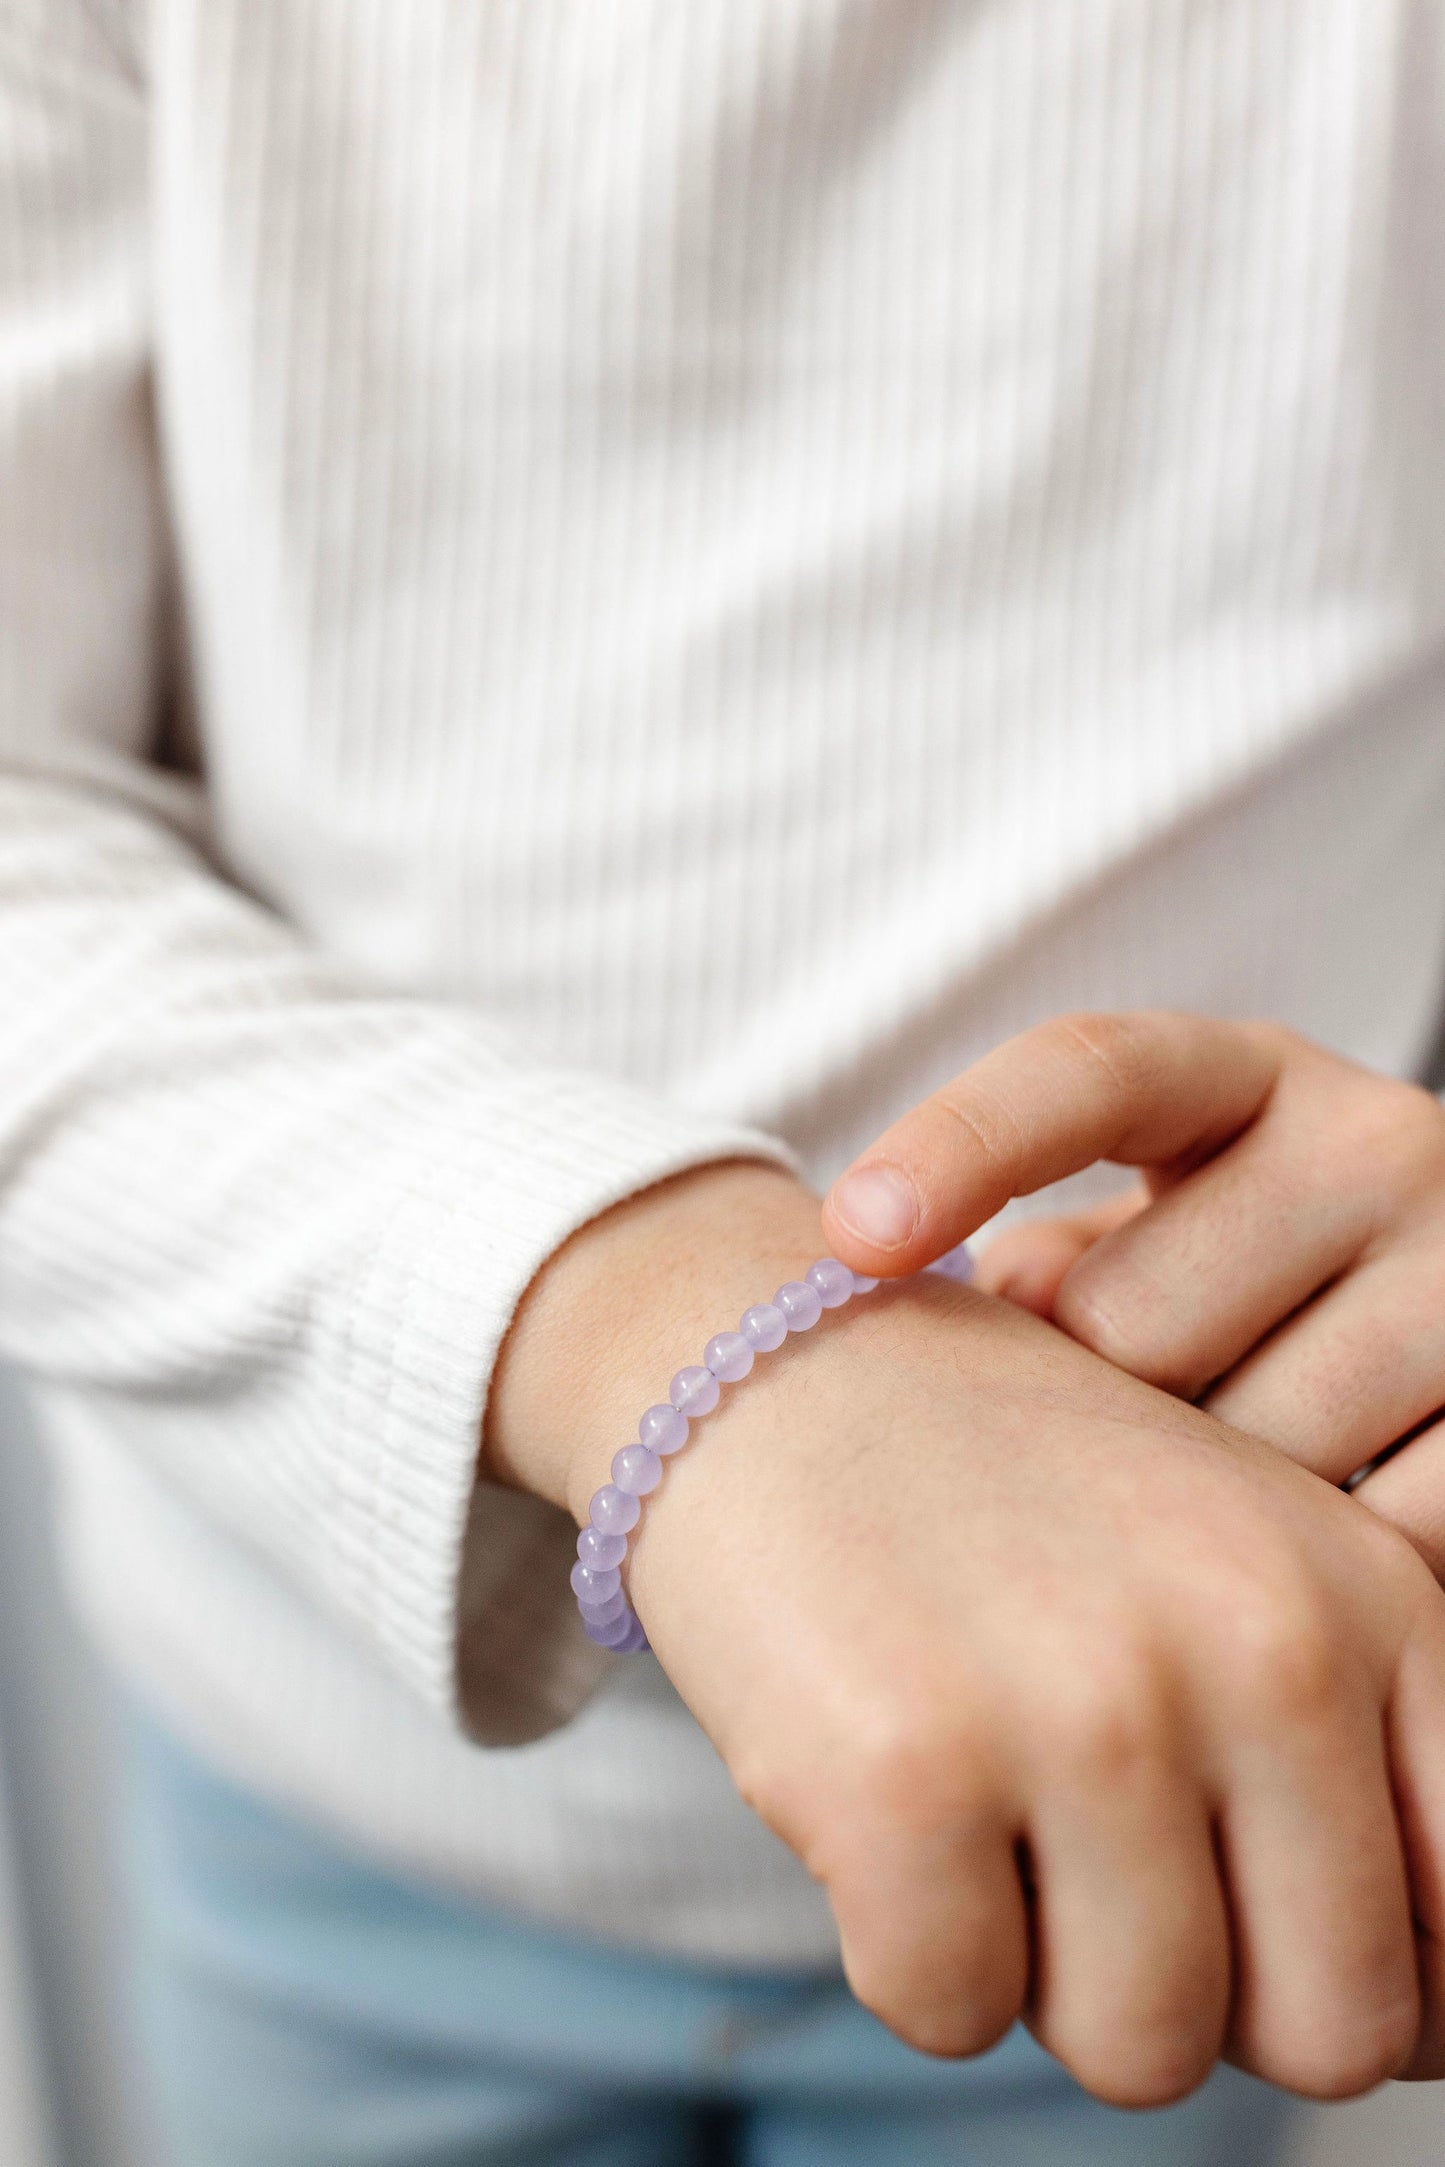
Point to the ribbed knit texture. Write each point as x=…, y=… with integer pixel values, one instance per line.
x=588, y=585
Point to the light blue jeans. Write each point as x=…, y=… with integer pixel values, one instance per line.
x=293, y=2006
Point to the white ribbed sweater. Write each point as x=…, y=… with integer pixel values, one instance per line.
x=590, y=584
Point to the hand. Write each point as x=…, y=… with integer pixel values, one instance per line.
x=1080, y=1705
x=1284, y=1264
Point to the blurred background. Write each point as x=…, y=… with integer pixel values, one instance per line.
x=63, y=2093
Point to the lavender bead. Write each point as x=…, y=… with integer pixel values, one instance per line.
x=614, y=1511
x=636, y=1640
x=607, y=1616
x=831, y=1281
x=613, y=1634
x=636, y=1470
x=595, y=1548
x=800, y=1304
x=729, y=1356
x=694, y=1390
x=955, y=1264
x=662, y=1429
x=604, y=1613
x=763, y=1327
x=590, y=1584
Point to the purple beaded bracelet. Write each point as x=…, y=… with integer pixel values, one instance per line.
x=616, y=1508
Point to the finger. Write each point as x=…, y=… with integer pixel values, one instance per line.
x=1327, y=1994
x=1025, y=1264
x=1182, y=1293
x=1416, y=1734
x=1361, y=1366
x=1132, y=1967
x=934, y=1933
x=1409, y=1492
x=1143, y=1090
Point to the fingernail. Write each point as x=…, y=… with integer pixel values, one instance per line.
x=878, y=1205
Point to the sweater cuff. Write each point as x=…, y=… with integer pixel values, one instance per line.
x=464, y=1583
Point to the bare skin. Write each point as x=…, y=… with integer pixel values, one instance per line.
x=1282, y=1263
x=1081, y=1704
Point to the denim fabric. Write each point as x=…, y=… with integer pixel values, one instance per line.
x=293, y=2005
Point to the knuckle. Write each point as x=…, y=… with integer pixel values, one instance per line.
x=1155, y=2071
x=1344, y=2060
x=915, y=1764
x=1123, y=1046
x=988, y=1132
x=1126, y=1325
x=1149, y=2034
x=1283, y=1651
x=1113, y=1719
x=1390, y=2038
x=955, y=2034
x=1398, y=1130
x=1083, y=1308
x=895, y=1763
x=954, y=2030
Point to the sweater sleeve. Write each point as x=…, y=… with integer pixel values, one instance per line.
x=279, y=1215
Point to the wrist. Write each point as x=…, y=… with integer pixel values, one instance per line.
x=621, y=1305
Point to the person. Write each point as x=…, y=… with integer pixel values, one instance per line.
x=611, y=614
